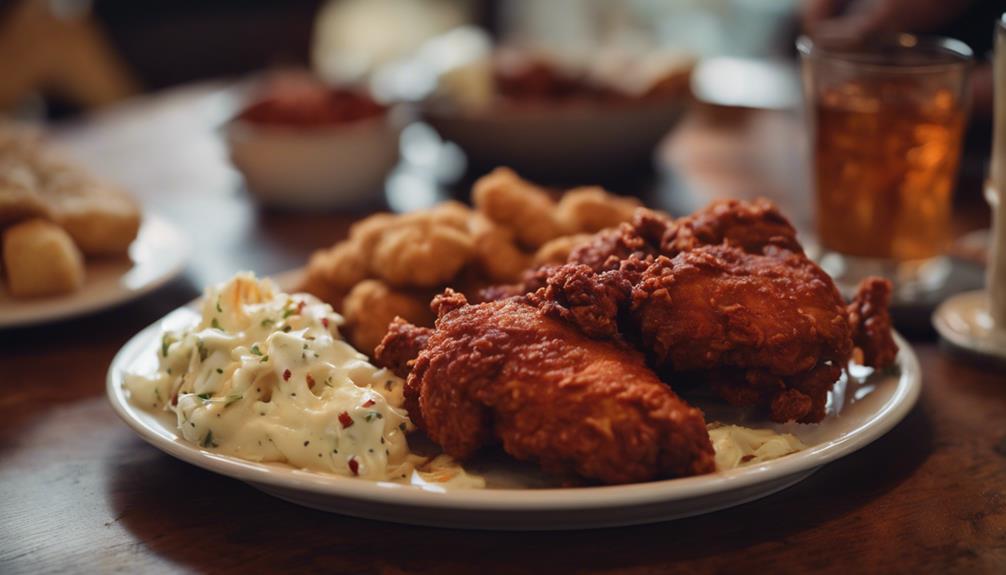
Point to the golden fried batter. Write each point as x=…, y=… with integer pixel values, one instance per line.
x=495, y=251
x=517, y=205
x=368, y=231
x=372, y=305
x=591, y=209
x=338, y=268
x=557, y=251
x=420, y=253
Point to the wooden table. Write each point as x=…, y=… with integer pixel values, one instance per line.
x=79, y=492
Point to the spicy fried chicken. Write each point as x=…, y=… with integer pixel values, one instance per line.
x=760, y=329
x=726, y=296
x=521, y=372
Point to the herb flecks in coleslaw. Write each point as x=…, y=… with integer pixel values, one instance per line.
x=265, y=376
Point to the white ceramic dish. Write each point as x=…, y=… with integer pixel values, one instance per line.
x=329, y=167
x=156, y=256
x=543, y=141
x=964, y=320
x=517, y=496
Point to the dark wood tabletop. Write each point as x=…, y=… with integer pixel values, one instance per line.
x=80, y=492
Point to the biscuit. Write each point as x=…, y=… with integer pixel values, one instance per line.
x=41, y=259
x=101, y=219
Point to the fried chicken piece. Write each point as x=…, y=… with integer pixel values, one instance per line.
x=591, y=209
x=641, y=237
x=727, y=296
x=750, y=226
x=776, y=320
x=590, y=301
x=871, y=323
x=518, y=205
x=508, y=371
x=420, y=253
x=401, y=346
x=531, y=280
x=372, y=305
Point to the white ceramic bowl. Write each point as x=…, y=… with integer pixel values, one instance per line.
x=581, y=140
x=328, y=167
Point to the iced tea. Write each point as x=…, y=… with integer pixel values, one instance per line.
x=885, y=161
x=887, y=122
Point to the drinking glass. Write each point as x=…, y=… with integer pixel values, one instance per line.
x=886, y=119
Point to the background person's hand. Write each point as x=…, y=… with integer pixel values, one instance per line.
x=860, y=18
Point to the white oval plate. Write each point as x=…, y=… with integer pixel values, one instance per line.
x=156, y=256
x=517, y=496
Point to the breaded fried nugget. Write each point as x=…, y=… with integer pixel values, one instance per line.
x=450, y=213
x=557, y=251
x=518, y=205
x=495, y=251
x=368, y=231
x=421, y=253
x=372, y=305
x=333, y=272
x=591, y=209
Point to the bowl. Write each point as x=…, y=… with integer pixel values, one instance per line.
x=581, y=141
x=305, y=145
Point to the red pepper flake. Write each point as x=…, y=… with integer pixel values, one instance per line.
x=324, y=322
x=310, y=381
x=345, y=420
x=174, y=399
x=368, y=403
x=286, y=375
x=300, y=307
x=354, y=466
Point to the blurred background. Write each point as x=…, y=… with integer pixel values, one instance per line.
x=675, y=101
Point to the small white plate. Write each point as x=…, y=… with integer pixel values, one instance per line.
x=964, y=321
x=518, y=496
x=156, y=256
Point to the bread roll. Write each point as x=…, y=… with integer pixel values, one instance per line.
x=41, y=259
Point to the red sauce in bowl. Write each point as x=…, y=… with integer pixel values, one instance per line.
x=303, y=103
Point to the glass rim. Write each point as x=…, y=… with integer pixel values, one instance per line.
x=959, y=54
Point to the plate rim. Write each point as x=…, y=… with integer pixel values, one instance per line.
x=960, y=339
x=116, y=298
x=901, y=402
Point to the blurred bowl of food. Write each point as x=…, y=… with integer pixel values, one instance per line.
x=302, y=144
x=556, y=121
